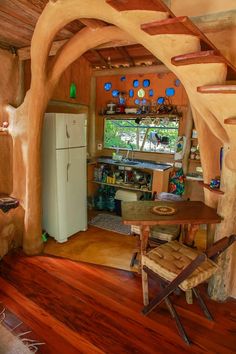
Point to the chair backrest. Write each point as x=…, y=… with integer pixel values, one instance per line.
x=220, y=246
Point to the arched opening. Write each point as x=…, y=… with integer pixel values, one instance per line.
x=30, y=117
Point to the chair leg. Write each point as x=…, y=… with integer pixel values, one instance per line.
x=189, y=297
x=145, y=288
x=202, y=304
x=175, y=316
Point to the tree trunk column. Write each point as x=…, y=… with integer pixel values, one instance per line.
x=33, y=243
x=223, y=284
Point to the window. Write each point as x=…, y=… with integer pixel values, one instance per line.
x=142, y=134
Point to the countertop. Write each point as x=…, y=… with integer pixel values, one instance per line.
x=140, y=164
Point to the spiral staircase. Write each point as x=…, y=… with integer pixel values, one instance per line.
x=206, y=74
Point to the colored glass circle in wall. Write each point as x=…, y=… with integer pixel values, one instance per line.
x=161, y=100
x=177, y=82
x=136, y=101
x=141, y=93
x=151, y=93
x=115, y=93
x=146, y=83
x=136, y=83
x=107, y=86
x=131, y=93
x=170, y=91
x=123, y=78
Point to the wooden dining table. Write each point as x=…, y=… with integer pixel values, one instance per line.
x=189, y=214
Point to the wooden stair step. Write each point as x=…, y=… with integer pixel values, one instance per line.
x=204, y=57
x=217, y=89
x=183, y=25
x=231, y=121
x=127, y=5
x=178, y=25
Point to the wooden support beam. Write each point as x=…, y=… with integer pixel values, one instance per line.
x=100, y=57
x=126, y=55
x=24, y=53
x=134, y=70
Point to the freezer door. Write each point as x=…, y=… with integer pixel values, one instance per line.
x=71, y=182
x=70, y=130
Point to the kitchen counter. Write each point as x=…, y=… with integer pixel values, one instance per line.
x=138, y=164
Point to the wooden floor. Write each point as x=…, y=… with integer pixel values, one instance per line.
x=79, y=308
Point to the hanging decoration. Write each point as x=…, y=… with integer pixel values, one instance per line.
x=73, y=90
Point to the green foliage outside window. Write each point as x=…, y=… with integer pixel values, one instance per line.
x=146, y=136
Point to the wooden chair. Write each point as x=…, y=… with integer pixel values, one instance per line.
x=176, y=266
x=159, y=234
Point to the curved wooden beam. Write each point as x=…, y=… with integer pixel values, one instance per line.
x=80, y=43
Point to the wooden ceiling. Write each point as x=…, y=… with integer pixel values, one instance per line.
x=18, y=19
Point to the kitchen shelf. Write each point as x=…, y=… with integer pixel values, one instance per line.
x=193, y=178
x=123, y=187
x=194, y=160
x=207, y=186
x=146, y=115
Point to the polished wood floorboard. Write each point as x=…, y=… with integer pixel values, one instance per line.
x=82, y=308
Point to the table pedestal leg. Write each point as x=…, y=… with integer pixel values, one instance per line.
x=211, y=228
x=189, y=233
x=144, y=234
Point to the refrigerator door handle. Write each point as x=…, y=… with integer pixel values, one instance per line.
x=67, y=171
x=67, y=133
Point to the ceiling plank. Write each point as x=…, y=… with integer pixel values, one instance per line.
x=37, y=5
x=24, y=53
x=13, y=36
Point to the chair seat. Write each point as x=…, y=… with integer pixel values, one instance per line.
x=169, y=260
x=164, y=233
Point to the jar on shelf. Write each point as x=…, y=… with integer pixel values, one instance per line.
x=197, y=153
x=194, y=134
x=193, y=153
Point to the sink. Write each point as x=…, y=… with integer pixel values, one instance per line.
x=131, y=162
x=127, y=162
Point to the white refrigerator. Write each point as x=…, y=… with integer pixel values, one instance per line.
x=64, y=186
